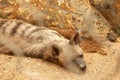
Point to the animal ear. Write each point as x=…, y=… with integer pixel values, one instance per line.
x=76, y=39
x=56, y=50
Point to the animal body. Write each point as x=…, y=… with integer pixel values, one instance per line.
x=22, y=38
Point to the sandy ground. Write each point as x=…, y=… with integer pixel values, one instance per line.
x=99, y=67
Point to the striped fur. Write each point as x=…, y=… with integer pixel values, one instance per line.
x=25, y=39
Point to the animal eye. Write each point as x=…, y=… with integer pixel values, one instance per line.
x=81, y=56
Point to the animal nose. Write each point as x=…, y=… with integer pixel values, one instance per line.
x=82, y=67
x=80, y=63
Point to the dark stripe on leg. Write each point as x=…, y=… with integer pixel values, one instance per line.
x=40, y=54
x=5, y=26
x=14, y=29
x=23, y=32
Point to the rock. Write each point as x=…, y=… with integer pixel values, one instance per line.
x=112, y=37
x=110, y=9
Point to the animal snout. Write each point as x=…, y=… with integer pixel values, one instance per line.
x=80, y=63
x=83, y=67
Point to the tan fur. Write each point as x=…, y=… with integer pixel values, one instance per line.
x=26, y=39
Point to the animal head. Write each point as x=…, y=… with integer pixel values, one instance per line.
x=69, y=54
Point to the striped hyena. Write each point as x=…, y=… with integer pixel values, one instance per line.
x=40, y=42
